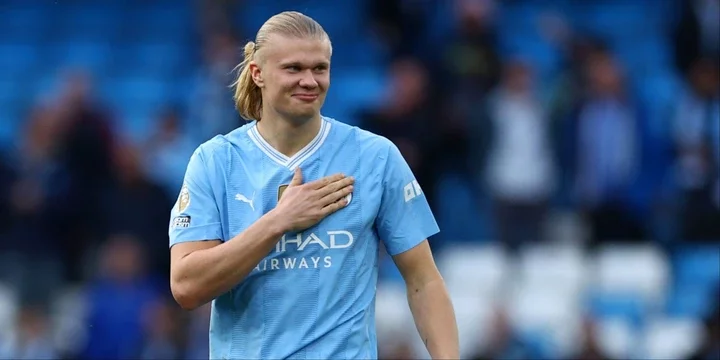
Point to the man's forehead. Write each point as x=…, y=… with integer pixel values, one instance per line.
x=280, y=49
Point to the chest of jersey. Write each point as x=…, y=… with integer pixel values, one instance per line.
x=257, y=186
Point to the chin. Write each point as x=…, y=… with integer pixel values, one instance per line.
x=302, y=116
x=304, y=111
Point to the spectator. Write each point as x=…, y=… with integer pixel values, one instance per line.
x=696, y=130
x=164, y=337
x=566, y=92
x=399, y=24
x=469, y=61
x=7, y=178
x=84, y=144
x=37, y=199
x=167, y=153
x=504, y=342
x=520, y=168
x=135, y=205
x=32, y=340
x=710, y=345
x=410, y=118
x=197, y=344
x=590, y=348
x=697, y=33
x=118, y=299
x=606, y=154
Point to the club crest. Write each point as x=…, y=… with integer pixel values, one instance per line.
x=281, y=190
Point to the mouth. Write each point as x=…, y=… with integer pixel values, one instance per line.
x=306, y=97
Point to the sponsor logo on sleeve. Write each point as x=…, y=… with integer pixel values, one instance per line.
x=181, y=222
x=412, y=190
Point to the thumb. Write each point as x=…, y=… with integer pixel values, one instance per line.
x=297, y=178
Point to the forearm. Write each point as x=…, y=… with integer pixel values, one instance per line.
x=206, y=274
x=435, y=319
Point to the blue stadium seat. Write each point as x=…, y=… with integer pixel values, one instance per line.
x=13, y=97
x=616, y=306
x=520, y=37
x=338, y=18
x=670, y=338
x=698, y=265
x=443, y=21
x=659, y=91
x=357, y=52
x=133, y=91
x=642, y=53
x=161, y=21
x=86, y=21
x=8, y=90
x=45, y=84
x=183, y=89
x=539, y=344
x=613, y=19
x=690, y=301
x=18, y=57
x=136, y=121
x=538, y=53
x=136, y=101
x=458, y=211
x=11, y=114
x=354, y=89
x=23, y=21
x=92, y=56
x=152, y=58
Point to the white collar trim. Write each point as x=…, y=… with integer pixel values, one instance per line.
x=294, y=161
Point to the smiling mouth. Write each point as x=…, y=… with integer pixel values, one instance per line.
x=306, y=97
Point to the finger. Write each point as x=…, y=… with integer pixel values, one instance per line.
x=297, y=177
x=319, y=183
x=336, y=195
x=333, y=207
x=335, y=186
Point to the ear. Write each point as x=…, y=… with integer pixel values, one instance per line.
x=256, y=74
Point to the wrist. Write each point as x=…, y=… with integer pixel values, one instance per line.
x=277, y=223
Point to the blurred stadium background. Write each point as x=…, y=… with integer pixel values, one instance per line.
x=570, y=150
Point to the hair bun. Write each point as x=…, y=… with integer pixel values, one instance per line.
x=249, y=49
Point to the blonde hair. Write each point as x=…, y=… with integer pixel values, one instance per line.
x=248, y=97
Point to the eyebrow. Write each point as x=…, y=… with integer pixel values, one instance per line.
x=301, y=65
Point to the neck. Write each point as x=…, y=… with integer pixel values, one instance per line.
x=287, y=136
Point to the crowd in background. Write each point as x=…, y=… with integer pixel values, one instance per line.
x=84, y=207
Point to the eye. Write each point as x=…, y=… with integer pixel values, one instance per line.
x=320, y=69
x=293, y=68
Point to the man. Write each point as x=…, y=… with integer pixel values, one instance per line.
x=291, y=266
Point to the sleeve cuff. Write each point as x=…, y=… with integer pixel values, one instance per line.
x=196, y=233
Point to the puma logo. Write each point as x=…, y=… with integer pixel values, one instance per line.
x=243, y=198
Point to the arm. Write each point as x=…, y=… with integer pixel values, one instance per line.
x=203, y=270
x=404, y=223
x=429, y=302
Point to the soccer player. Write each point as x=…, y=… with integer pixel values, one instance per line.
x=279, y=222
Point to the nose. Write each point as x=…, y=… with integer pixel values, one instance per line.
x=308, y=81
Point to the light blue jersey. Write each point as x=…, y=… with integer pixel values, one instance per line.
x=313, y=296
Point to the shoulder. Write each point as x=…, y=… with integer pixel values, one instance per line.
x=370, y=144
x=218, y=146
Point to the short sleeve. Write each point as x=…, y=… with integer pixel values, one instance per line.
x=404, y=219
x=195, y=216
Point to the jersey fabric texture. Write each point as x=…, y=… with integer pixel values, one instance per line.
x=313, y=296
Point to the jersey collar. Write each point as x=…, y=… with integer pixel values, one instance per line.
x=294, y=161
